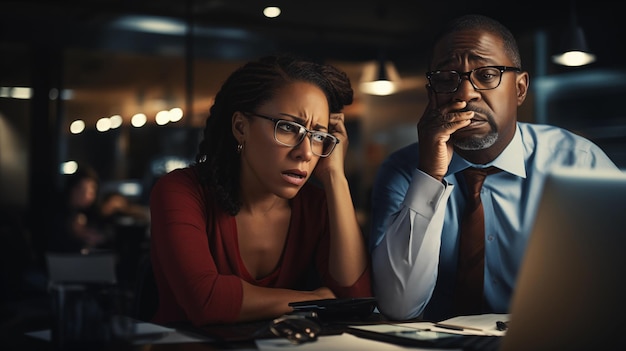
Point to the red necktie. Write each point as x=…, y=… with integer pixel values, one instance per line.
x=471, y=264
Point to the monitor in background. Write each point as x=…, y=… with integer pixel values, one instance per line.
x=79, y=268
x=570, y=293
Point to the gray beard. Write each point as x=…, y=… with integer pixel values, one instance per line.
x=473, y=143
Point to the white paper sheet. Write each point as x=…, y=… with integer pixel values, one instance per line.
x=483, y=324
x=343, y=341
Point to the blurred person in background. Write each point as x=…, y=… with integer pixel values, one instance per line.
x=77, y=225
x=117, y=209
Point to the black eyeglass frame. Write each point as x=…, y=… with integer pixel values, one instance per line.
x=468, y=74
x=304, y=134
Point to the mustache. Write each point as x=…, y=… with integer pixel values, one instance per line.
x=477, y=110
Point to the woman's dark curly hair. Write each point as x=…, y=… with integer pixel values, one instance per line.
x=245, y=90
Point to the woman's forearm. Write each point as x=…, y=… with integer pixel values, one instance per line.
x=348, y=256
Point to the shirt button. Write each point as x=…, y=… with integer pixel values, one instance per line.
x=490, y=238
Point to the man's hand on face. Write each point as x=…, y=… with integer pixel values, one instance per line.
x=434, y=131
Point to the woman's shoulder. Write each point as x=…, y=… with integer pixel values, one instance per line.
x=181, y=186
x=178, y=179
x=180, y=174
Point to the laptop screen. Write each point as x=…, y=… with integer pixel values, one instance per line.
x=569, y=293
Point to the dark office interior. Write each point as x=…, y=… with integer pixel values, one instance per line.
x=63, y=60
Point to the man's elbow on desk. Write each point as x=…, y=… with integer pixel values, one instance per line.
x=392, y=309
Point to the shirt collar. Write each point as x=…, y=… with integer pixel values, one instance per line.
x=511, y=160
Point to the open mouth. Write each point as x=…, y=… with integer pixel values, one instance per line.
x=294, y=175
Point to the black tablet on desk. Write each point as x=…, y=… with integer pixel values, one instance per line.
x=333, y=315
x=338, y=310
x=407, y=336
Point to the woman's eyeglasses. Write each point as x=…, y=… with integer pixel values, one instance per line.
x=291, y=134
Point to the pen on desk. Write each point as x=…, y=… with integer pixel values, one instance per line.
x=455, y=327
x=414, y=331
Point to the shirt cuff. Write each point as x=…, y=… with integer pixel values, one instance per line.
x=424, y=194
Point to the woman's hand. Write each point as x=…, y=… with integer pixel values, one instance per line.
x=335, y=161
x=323, y=293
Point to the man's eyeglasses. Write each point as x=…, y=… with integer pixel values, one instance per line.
x=291, y=134
x=482, y=78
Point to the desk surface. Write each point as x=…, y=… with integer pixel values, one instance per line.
x=184, y=338
x=177, y=337
x=26, y=343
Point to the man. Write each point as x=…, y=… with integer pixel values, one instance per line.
x=476, y=85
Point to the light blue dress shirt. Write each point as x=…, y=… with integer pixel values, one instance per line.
x=415, y=220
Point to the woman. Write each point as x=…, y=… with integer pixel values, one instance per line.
x=235, y=236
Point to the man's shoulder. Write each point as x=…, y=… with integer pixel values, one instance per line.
x=551, y=143
x=539, y=127
x=406, y=153
x=402, y=161
x=549, y=133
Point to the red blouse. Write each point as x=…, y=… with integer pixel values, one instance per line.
x=195, y=252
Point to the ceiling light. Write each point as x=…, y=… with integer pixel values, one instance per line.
x=271, y=11
x=379, y=78
x=573, y=49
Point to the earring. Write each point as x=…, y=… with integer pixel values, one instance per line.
x=239, y=148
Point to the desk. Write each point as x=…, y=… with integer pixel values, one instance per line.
x=211, y=338
x=27, y=342
x=184, y=338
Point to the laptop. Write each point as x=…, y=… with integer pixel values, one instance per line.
x=78, y=268
x=570, y=293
